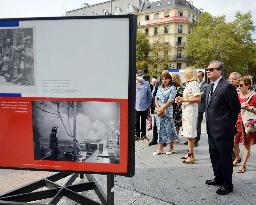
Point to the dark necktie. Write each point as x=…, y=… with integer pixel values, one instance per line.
x=211, y=92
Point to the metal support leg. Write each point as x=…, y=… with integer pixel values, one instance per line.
x=30, y=193
x=110, y=189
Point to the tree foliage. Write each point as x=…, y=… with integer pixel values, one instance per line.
x=153, y=57
x=142, y=51
x=159, y=57
x=213, y=38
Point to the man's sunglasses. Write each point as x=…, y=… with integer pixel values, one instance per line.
x=211, y=69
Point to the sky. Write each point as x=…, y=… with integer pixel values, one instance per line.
x=42, y=8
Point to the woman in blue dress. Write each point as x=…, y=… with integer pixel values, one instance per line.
x=165, y=124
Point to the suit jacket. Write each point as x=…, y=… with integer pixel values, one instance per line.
x=201, y=105
x=222, y=110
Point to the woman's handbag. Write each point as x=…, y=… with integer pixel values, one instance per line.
x=149, y=122
x=249, y=118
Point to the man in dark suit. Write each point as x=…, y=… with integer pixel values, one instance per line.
x=222, y=108
x=201, y=105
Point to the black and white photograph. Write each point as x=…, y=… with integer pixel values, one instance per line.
x=76, y=131
x=17, y=57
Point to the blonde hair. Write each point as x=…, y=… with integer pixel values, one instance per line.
x=190, y=74
x=176, y=80
x=246, y=79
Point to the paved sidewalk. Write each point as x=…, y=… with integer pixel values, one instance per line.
x=162, y=180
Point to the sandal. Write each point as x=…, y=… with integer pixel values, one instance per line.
x=145, y=138
x=235, y=162
x=158, y=152
x=241, y=169
x=190, y=159
x=171, y=151
x=186, y=156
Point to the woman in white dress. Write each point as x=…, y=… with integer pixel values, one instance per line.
x=190, y=100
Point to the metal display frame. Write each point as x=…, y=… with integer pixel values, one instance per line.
x=30, y=192
x=56, y=192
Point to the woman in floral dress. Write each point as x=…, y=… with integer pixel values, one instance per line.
x=165, y=125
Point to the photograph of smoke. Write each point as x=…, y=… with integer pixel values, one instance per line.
x=76, y=131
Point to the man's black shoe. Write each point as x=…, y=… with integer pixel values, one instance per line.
x=152, y=143
x=223, y=190
x=185, y=143
x=196, y=143
x=213, y=182
x=164, y=144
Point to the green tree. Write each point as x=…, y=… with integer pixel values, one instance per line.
x=213, y=38
x=243, y=28
x=159, y=58
x=142, y=51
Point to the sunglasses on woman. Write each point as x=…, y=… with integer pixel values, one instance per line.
x=241, y=85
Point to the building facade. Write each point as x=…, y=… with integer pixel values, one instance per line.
x=114, y=7
x=169, y=21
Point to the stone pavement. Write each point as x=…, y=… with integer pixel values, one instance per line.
x=161, y=180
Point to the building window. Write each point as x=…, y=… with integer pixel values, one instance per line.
x=179, y=41
x=166, y=14
x=155, y=31
x=179, y=54
x=146, y=31
x=156, y=16
x=178, y=66
x=165, y=29
x=146, y=17
x=180, y=28
x=193, y=19
x=180, y=13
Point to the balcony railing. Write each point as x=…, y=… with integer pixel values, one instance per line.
x=164, y=20
x=178, y=58
x=182, y=44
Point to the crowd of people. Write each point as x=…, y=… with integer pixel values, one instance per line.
x=17, y=60
x=178, y=109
